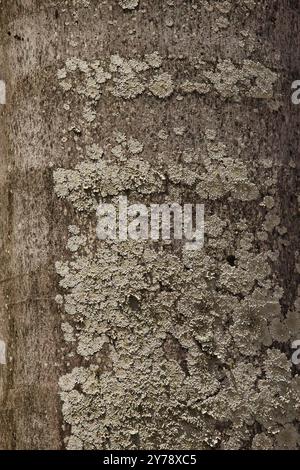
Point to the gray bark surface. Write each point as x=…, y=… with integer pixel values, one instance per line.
x=141, y=345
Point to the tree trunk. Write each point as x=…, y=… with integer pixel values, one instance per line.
x=145, y=344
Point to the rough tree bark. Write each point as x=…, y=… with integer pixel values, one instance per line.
x=144, y=344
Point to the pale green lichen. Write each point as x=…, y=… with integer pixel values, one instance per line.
x=198, y=87
x=162, y=86
x=229, y=79
x=129, y=78
x=68, y=331
x=159, y=319
x=154, y=59
x=222, y=22
x=128, y=4
x=224, y=7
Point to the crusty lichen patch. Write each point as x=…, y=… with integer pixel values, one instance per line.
x=128, y=4
x=162, y=85
x=228, y=79
x=183, y=338
x=128, y=78
x=177, y=349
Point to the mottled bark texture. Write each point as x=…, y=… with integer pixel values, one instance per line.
x=145, y=344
